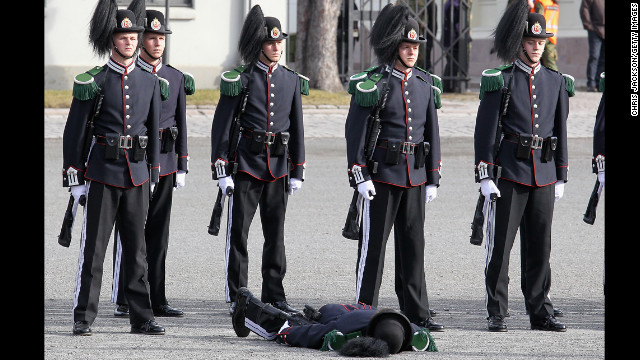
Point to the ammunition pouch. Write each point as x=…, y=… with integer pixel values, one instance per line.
x=422, y=150
x=523, y=151
x=280, y=145
x=112, y=149
x=139, y=147
x=548, y=148
x=392, y=155
x=168, y=139
x=258, y=139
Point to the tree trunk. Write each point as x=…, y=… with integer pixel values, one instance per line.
x=316, y=43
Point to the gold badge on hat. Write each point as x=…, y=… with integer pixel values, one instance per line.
x=126, y=23
x=275, y=32
x=536, y=28
x=413, y=34
x=155, y=24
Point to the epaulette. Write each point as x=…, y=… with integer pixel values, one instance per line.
x=304, y=81
x=366, y=92
x=601, y=85
x=569, y=84
x=355, y=79
x=231, y=84
x=436, y=86
x=189, y=82
x=492, y=79
x=164, y=88
x=84, y=86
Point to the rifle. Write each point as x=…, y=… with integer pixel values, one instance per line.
x=64, y=238
x=478, y=217
x=590, y=213
x=351, y=229
x=234, y=135
x=216, y=215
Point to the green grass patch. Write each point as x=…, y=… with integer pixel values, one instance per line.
x=62, y=98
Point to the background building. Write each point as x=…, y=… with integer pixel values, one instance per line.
x=206, y=32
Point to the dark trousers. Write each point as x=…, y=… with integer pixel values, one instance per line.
x=104, y=204
x=595, y=63
x=156, y=235
x=535, y=205
x=272, y=198
x=404, y=209
x=523, y=265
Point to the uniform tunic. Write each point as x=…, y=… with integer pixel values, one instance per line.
x=409, y=116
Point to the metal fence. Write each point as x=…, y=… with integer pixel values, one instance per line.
x=445, y=23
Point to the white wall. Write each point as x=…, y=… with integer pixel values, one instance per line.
x=204, y=40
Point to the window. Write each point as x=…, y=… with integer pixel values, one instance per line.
x=174, y=3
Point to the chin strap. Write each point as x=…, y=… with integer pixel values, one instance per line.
x=265, y=55
x=405, y=65
x=151, y=56
x=527, y=55
x=121, y=54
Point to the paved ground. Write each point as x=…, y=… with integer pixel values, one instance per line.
x=321, y=262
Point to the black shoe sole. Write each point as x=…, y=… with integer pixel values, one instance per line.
x=547, y=329
x=136, y=331
x=498, y=330
x=237, y=318
x=82, y=333
x=167, y=315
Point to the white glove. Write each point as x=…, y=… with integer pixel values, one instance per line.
x=294, y=185
x=224, y=183
x=601, y=177
x=366, y=189
x=152, y=186
x=78, y=190
x=488, y=187
x=181, y=177
x=559, y=189
x=431, y=193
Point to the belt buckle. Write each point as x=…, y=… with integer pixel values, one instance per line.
x=269, y=138
x=536, y=142
x=126, y=142
x=408, y=148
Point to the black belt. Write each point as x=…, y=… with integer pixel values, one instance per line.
x=125, y=142
x=536, y=141
x=269, y=137
x=406, y=148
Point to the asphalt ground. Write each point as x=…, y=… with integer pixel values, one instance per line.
x=321, y=263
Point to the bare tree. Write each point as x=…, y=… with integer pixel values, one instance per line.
x=316, y=48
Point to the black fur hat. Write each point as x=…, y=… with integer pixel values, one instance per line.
x=392, y=26
x=139, y=8
x=106, y=21
x=251, y=36
x=507, y=36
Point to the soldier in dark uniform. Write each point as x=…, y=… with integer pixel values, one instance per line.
x=533, y=159
x=175, y=85
x=331, y=327
x=122, y=161
x=270, y=155
x=405, y=165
